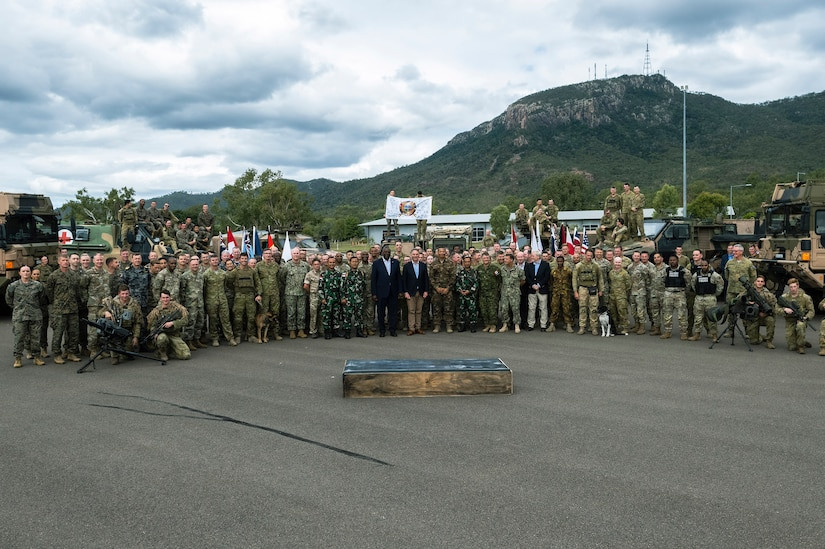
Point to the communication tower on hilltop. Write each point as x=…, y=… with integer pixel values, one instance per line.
x=646, y=70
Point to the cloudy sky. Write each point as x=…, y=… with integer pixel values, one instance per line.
x=161, y=95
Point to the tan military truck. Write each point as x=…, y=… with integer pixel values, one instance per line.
x=28, y=231
x=793, y=244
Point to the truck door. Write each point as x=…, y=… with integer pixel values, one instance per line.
x=817, y=244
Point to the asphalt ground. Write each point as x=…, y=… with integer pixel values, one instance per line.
x=623, y=442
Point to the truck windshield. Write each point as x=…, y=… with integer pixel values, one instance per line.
x=792, y=220
x=26, y=228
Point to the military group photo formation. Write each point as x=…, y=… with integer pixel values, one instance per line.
x=186, y=295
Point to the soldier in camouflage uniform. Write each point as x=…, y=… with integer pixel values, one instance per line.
x=707, y=285
x=442, y=279
x=127, y=217
x=561, y=286
x=216, y=302
x=138, y=279
x=552, y=212
x=677, y=279
x=191, y=289
x=206, y=220
x=795, y=327
x=292, y=277
x=606, y=226
x=764, y=318
x=588, y=286
x=613, y=202
x=311, y=282
x=62, y=288
x=627, y=199
x=639, y=283
x=168, y=279
x=466, y=284
x=329, y=292
x=522, y=220
x=24, y=297
x=268, y=271
x=168, y=342
x=124, y=311
x=44, y=311
x=489, y=290
x=636, y=217
x=368, y=312
x=657, y=293
x=621, y=284
x=822, y=330
x=737, y=267
x=512, y=279
x=247, y=289
x=352, y=295
x=185, y=239
x=95, y=286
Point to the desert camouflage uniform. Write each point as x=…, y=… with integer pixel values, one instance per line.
x=561, y=285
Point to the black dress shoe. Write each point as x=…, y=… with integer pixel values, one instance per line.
x=529, y=328
x=381, y=334
x=393, y=334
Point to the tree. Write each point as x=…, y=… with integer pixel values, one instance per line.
x=265, y=200
x=500, y=220
x=569, y=191
x=98, y=210
x=707, y=205
x=666, y=200
x=345, y=228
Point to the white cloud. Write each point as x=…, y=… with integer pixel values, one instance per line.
x=166, y=96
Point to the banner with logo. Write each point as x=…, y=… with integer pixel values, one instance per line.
x=419, y=207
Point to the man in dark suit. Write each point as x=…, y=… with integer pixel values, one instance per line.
x=415, y=283
x=385, y=284
x=536, y=280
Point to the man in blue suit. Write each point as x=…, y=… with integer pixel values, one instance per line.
x=385, y=284
x=537, y=278
x=415, y=283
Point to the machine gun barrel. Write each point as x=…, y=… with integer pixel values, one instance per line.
x=158, y=327
x=797, y=314
x=764, y=306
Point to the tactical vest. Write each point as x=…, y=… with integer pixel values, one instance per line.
x=587, y=274
x=245, y=281
x=704, y=286
x=675, y=278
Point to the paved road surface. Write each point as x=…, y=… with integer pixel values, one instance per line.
x=626, y=442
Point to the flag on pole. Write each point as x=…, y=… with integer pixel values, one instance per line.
x=246, y=244
x=230, y=241
x=256, y=243
x=585, y=243
x=513, y=236
x=287, y=248
x=553, y=245
x=269, y=242
x=535, y=240
x=576, y=240
x=568, y=239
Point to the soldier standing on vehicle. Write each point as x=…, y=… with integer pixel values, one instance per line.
x=127, y=217
x=24, y=297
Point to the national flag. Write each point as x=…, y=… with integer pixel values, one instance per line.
x=256, y=243
x=247, y=243
x=230, y=241
x=535, y=240
x=513, y=236
x=553, y=245
x=576, y=240
x=585, y=243
x=270, y=243
x=287, y=255
x=568, y=239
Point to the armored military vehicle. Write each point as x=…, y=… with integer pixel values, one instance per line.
x=93, y=238
x=28, y=231
x=793, y=244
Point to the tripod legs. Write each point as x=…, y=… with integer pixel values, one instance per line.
x=733, y=326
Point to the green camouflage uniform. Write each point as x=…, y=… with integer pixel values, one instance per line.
x=512, y=279
x=127, y=217
x=621, y=284
x=768, y=321
x=467, y=279
x=613, y=203
x=292, y=277
x=657, y=294
x=95, y=287
x=522, y=222
x=588, y=282
x=561, y=285
x=268, y=272
x=795, y=329
x=216, y=304
x=312, y=280
x=442, y=275
x=62, y=289
x=639, y=283
x=636, y=223
x=169, y=281
x=247, y=286
x=735, y=269
x=183, y=237
x=352, y=296
x=674, y=299
x=489, y=285
x=191, y=286
x=126, y=316
x=368, y=312
x=168, y=341
x=707, y=287
x=329, y=292
x=26, y=318
x=552, y=212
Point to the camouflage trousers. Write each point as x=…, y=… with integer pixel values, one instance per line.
x=93, y=334
x=752, y=329
x=194, y=325
x=368, y=315
x=244, y=305
x=822, y=335
x=488, y=303
x=795, y=333
x=467, y=310
x=330, y=314
x=26, y=332
x=351, y=314
x=638, y=308
x=701, y=304
x=655, y=308
x=637, y=224
x=619, y=312
x=217, y=313
x=173, y=346
x=588, y=309
x=560, y=305
x=296, y=312
x=443, y=308
x=510, y=303
x=65, y=324
x=271, y=303
x=674, y=301
x=314, y=317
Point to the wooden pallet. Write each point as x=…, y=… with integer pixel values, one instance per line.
x=408, y=378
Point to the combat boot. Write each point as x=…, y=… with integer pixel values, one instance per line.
x=449, y=329
x=253, y=339
x=29, y=355
x=327, y=334
x=215, y=343
x=199, y=344
x=460, y=327
x=641, y=330
x=191, y=346
x=346, y=334
x=581, y=331
x=503, y=329
x=163, y=357
x=116, y=360
x=683, y=337
x=568, y=328
x=18, y=362
x=665, y=335
x=770, y=345
x=39, y=361
x=302, y=334
x=233, y=342
x=292, y=334
x=44, y=353
x=73, y=357
x=58, y=359
x=654, y=331
x=694, y=337
x=517, y=329
x=486, y=329
x=492, y=328
x=595, y=332
x=551, y=327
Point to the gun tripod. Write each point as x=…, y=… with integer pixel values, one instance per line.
x=109, y=347
x=733, y=326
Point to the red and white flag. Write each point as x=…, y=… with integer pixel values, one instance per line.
x=569, y=241
x=513, y=234
x=230, y=241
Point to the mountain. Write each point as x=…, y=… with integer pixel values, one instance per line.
x=620, y=129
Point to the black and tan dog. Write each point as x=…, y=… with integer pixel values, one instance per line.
x=262, y=322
